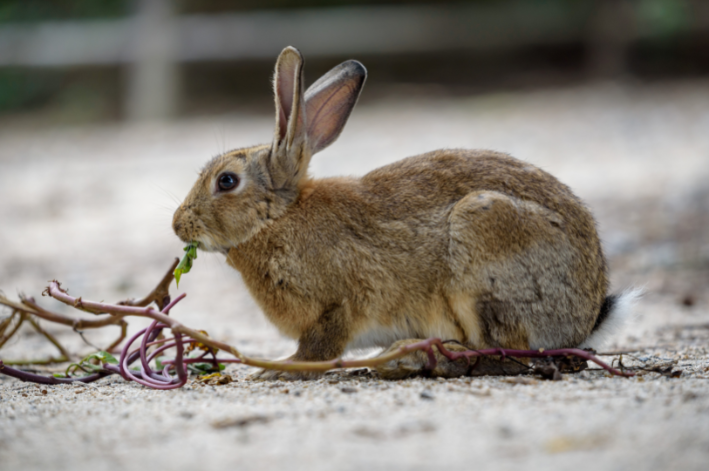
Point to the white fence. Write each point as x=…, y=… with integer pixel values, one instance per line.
x=155, y=40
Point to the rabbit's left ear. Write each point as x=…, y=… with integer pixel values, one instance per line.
x=287, y=151
x=288, y=91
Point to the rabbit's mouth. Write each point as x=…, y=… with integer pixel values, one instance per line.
x=221, y=250
x=207, y=244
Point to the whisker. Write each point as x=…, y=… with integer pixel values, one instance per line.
x=169, y=194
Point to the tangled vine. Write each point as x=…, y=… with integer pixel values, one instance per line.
x=154, y=371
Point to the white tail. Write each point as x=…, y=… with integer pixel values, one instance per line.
x=620, y=314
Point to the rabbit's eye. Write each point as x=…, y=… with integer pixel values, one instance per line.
x=227, y=181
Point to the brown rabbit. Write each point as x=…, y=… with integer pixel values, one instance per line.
x=467, y=245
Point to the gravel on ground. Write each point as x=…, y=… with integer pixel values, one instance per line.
x=92, y=207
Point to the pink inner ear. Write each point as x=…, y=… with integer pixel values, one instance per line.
x=285, y=87
x=329, y=111
x=282, y=123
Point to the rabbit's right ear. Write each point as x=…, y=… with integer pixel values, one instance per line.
x=329, y=102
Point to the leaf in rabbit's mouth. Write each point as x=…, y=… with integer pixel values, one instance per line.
x=185, y=264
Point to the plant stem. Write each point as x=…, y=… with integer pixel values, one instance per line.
x=49, y=337
x=43, y=361
x=5, y=338
x=184, y=335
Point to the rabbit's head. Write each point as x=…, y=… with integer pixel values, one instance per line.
x=241, y=191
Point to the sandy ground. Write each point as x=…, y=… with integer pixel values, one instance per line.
x=92, y=207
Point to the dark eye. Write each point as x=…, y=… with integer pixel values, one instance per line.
x=227, y=181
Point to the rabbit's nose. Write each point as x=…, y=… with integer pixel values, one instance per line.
x=177, y=224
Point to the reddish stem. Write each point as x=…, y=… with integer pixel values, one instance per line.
x=182, y=335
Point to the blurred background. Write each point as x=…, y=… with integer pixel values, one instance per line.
x=109, y=108
x=78, y=61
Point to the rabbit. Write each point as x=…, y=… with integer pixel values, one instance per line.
x=471, y=246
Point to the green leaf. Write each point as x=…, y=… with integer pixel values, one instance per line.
x=103, y=357
x=202, y=368
x=185, y=264
x=73, y=365
x=86, y=366
x=59, y=375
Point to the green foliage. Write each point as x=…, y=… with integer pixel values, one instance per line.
x=20, y=89
x=202, y=6
x=663, y=17
x=22, y=11
x=198, y=368
x=185, y=264
x=204, y=368
x=86, y=366
x=158, y=363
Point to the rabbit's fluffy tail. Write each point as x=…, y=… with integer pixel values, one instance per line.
x=615, y=312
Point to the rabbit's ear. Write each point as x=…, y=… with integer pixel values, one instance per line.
x=289, y=137
x=308, y=122
x=329, y=102
x=288, y=90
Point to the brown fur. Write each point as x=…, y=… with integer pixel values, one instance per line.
x=473, y=246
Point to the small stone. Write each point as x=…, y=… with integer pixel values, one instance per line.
x=688, y=300
x=368, y=432
x=505, y=431
x=427, y=394
x=360, y=372
x=520, y=380
x=689, y=396
x=241, y=421
x=225, y=379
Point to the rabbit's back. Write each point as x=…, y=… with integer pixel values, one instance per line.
x=525, y=260
x=442, y=178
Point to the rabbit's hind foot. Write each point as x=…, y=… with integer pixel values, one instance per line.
x=278, y=375
x=417, y=363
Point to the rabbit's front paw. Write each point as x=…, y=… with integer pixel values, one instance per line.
x=416, y=363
